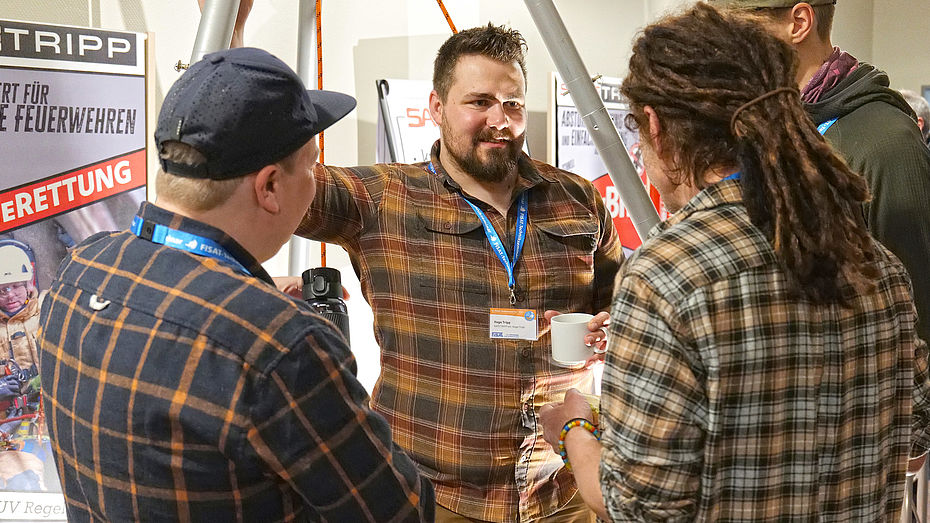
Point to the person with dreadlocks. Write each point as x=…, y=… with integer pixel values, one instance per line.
x=870, y=126
x=767, y=365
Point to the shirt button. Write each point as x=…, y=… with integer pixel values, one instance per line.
x=526, y=352
x=447, y=226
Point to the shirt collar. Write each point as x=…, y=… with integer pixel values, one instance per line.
x=155, y=214
x=529, y=175
x=724, y=192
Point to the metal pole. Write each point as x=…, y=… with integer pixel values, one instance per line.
x=306, y=42
x=298, y=259
x=594, y=114
x=383, y=90
x=216, y=27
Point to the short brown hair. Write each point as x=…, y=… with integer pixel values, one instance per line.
x=496, y=42
x=823, y=15
x=199, y=194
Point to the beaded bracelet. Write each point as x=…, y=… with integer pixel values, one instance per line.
x=577, y=422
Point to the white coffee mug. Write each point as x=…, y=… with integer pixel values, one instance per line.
x=568, y=332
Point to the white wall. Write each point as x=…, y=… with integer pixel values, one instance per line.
x=852, y=28
x=364, y=40
x=902, y=41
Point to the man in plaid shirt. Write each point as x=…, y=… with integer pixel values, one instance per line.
x=460, y=392
x=179, y=383
x=767, y=367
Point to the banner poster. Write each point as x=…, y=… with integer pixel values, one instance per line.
x=575, y=152
x=404, y=122
x=72, y=140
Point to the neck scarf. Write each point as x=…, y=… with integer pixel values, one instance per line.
x=835, y=69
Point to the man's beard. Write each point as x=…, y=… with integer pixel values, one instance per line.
x=499, y=164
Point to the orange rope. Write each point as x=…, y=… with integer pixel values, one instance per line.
x=446, y=14
x=319, y=75
x=319, y=57
x=319, y=85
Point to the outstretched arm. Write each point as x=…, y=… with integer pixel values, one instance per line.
x=245, y=7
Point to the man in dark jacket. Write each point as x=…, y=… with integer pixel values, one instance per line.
x=872, y=128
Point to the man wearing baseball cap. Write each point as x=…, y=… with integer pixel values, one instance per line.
x=181, y=385
x=870, y=125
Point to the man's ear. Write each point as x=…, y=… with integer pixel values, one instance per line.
x=655, y=130
x=435, y=107
x=268, y=189
x=802, y=23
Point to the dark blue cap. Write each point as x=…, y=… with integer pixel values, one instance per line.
x=243, y=109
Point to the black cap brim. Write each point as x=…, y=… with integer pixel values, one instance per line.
x=330, y=107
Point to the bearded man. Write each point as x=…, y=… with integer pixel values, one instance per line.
x=463, y=259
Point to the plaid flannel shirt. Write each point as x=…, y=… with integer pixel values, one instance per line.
x=462, y=404
x=177, y=388
x=726, y=400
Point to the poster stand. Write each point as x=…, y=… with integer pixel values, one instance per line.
x=74, y=105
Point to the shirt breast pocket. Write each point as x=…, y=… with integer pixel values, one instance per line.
x=576, y=237
x=451, y=255
x=566, y=248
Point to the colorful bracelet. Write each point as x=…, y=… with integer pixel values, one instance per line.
x=577, y=422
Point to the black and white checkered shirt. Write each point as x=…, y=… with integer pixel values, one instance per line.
x=726, y=400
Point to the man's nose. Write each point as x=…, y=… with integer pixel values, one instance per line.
x=497, y=117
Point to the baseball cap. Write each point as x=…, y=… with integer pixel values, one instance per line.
x=243, y=109
x=752, y=4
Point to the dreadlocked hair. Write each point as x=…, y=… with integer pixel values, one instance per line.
x=699, y=68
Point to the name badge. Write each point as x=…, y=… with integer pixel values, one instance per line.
x=513, y=324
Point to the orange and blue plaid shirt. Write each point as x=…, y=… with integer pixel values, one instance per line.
x=462, y=404
x=177, y=388
x=725, y=399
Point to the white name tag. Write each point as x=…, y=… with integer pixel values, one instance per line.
x=513, y=324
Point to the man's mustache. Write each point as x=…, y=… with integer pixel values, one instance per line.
x=491, y=136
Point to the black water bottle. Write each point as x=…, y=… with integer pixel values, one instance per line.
x=322, y=290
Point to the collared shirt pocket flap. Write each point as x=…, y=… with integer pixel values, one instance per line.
x=448, y=221
x=578, y=231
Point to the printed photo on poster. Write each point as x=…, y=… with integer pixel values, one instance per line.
x=72, y=136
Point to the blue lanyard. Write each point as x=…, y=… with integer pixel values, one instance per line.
x=734, y=176
x=495, y=240
x=822, y=128
x=188, y=242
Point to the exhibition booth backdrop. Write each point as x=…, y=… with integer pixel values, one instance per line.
x=73, y=126
x=376, y=39
x=65, y=184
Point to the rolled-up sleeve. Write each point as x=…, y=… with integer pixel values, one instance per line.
x=650, y=406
